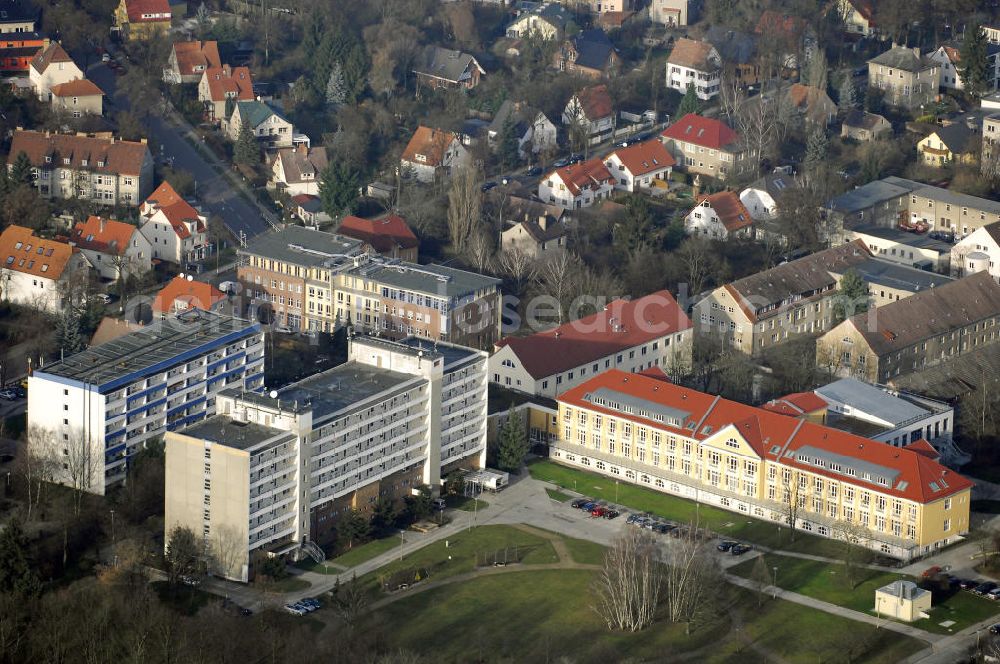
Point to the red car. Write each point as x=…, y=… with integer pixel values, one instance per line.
x=598, y=511
x=931, y=572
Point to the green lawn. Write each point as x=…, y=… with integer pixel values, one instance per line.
x=289, y=584
x=365, y=552
x=558, y=496
x=463, y=550
x=584, y=551
x=466, y=504
x=729, y=524
x=828, y=582
x=544, y=615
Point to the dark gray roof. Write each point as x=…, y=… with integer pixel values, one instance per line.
x=519, y=112
x=902, y=277
x=305, y=247
x=593, y=49
x=916, y=240
x=445, y=63
x=734, y=47
x=868, y=195
x=945, y=195
x=435, y=280
x=904, y=589
x=224, y=430
x=901, y=57
x=863, y=119
x=957, y=137
x=775, y=184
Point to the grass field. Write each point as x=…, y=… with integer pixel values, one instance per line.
x=364, y=552
x=466, y=503
x=828, y=582
x=585, y=552
x=558, y=496
x=729, y=524
x=543, y=615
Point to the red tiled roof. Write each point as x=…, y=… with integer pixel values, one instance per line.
x=383, y=234
x=643, y=158
x=692, y=54
x=194, y=294
x=777, y=437
x=729, y=208
x=797, y=403
x=655, y=372
x=431, y=143
x=622, y=324
x=706, y=132
x=595, y=102
x=229, y=82
x=191, y=54
x=81, y=87
x=174, y=208
x=22, y=251
x=923, y=447
x=577, y=177
x=136, y=9
x=103, y=155
x=104, y=235
x=54, y=52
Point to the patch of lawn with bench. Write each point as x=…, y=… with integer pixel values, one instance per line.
x=558, y=496
x=732, y=525
x=364, y=552
x=828, y=582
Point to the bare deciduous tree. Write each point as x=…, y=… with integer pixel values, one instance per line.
x=628, y=587
x=465, y=206
x=228, y=550
x=35, y=465
x=479, y=250
x=83, y=466
x=761, y=579
x=696, y=257
x=692, y=577
x=754, y=119
x=517, y=266
x=853, y=536
x=351, y=600
x=790, y=500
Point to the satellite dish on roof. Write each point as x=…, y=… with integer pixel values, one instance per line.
x=274, y=394
x=190, y=278
x=181, y=275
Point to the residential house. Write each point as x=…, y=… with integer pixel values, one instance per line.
x=578, y=185
x=589, y=112
x=603, y=7
x=589, y=53
x=534, y=132
x=40, y=273
x=719, y=216
x=627, y=335
x=864, y=126
x=177, y=232
x=706, y=146
x=431, y=153
x=992, y=33
x=768, y=308
x=813, y=104
x=309, y=208
x=113, y=248
x=978, y=252
x=640, y=165
x=989, y=160
x=267, y=123
x=189, y=60
x=915, y=249
x=221, y=87
x=104, y=170
x=298, y=170
x=858, y=17
x=924, y=330
x=18, y=49
x=444, y=68
x=642, y=430
x=673, y=13
x=141, y=19
x=539, y=237
x=547, y=21
x=949, y=57
x=183, y=293
x=907, y=79
x=762, y=197
x=694, y=63
x=77, y=98
x=52, y=66
x=954, y=143
x=738, y=51
x=389, y=235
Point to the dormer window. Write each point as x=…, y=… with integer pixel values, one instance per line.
x=18, y=245
x=100, y=164
x=421, y=158
x=48, y=159
x=65, y=161
x=83, y=162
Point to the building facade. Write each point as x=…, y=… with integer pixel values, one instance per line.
x=176, y=231
x=90, y=412
x=43, y=274
x=706, y=146
x=979, y=252
x=755, y=463
x=640, y=165
x=696, y=64
x=907, y=79
x=275, y=474
x=578, y=185
x=113, y=248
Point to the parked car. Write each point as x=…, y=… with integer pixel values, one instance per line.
x=967, y=584
x=560, y=163
x=598, y=511
x=726, y=545
x=106, y=57
x=984, y=588
x=995, y=629
x=943, y=236
x=579, y=502
x=740, y=549
x=993, y=594
x=533, y=171
x=190, y=581
x=488, y=185
x=245, y=611
x=575, y=158
x=611, y=514
x=311, y=601
x=663, y=528
x=295, y=609
x=8, y=395
x=931, y=572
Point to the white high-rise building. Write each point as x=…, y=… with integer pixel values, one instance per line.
x=91, y=411
x=273, y=472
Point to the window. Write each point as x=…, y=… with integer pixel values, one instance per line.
x=947, y=525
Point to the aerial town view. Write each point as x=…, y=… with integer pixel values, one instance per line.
x=500, y=331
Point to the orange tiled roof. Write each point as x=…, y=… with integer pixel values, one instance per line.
x=646, y=157
x=227, y=82
x=431, y=143
x=795, y=443
x=22, y=251
x=595, y=102
x=104, y=155
x=382, y=233
x=706, y=132
x=194, y=294
x=103, y=235
x=692, y=54
x=578, y=177
x=54, y=52
x=798, y=403
x=191, y=54
x=81, y=87
x=140, y=11
x=729, y=208
x=177, y=210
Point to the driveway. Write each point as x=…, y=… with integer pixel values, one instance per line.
x=168, y=139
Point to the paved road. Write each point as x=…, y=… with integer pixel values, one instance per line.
x=217, y=193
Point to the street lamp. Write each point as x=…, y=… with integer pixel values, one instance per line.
x=775, y=595
x=616, y=491
x=401, y=540
x=114, y=547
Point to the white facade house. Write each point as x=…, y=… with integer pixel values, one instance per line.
x=431, y=152
x=577, y=186
x=52, y=66
x=395, y=416
x=694, y=63
x=591, y=110
x=177, y=232
x=113, y=248
x=949, y=58
x=639, y=166
x=719, y=217
x=39, y=273
x=91, y=411
x=298, y=170
x=533, y=130
x=978, y=252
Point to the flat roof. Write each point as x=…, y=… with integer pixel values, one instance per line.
x=865, y=196
x=917, y=240
x=436, y=280
x=333, y=390
x=151, y=349
x=872, y=400
x=896, y=275
x=224, y=430
x=451, y=353
x=304, y=246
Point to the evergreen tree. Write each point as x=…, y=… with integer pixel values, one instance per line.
x=16, y=572
x=973, y=63
x=853, y=296
x=815, y=71
x=20, y=172
x=246, y=151
x=507, y=147
x=351, y=527
x=847, y=99
x=816, y=146
x=513, y=442
x=338, y=189
x=336, y=94
x=632, y=233
x=689, y=103
x=68, y=331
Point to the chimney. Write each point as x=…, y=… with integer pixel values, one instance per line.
x=543, y=221
x=916, y=51
x=100, y=221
